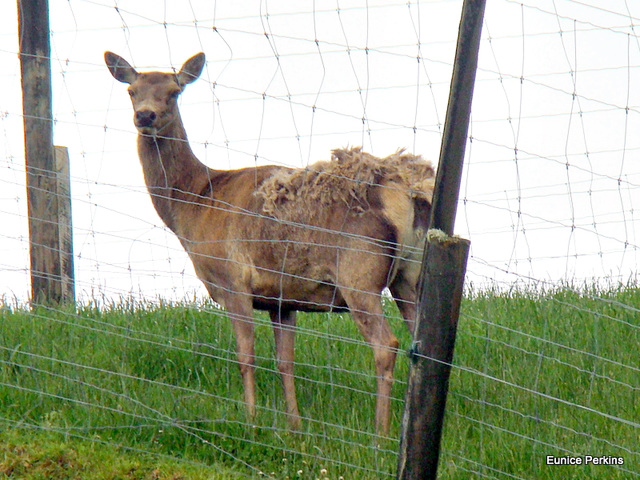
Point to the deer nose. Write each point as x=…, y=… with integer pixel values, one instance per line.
x=145, y=118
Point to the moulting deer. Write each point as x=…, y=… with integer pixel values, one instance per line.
x=329, y=237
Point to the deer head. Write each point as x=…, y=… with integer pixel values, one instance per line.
x=154, y=94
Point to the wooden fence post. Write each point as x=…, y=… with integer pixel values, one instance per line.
x=443, y=270
x=431, y=356
x=64, y=248
x=51, y=262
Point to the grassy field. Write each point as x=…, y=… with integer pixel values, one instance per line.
x=133, y=391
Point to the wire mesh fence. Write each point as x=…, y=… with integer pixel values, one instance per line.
x=546, y=366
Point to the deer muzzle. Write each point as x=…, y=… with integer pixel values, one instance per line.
x=144, y=121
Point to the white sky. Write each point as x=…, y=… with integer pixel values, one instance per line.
x=551, y=189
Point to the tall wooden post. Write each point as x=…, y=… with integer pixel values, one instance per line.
x=51, y=262
x=443, y=270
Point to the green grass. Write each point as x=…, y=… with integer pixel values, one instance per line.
x=46, y=456
x=156, y=391
x=554, y=374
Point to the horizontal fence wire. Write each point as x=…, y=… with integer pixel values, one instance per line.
x=545, y=369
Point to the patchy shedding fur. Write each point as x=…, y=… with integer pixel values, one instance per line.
x=348, y=179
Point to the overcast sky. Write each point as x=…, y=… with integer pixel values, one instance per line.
x=551, y=188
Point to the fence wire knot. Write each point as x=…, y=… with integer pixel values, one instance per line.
x=413, y=353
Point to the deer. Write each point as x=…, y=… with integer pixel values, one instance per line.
x=326, y=238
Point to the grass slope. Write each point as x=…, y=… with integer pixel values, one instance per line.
x=34, y=456
x=156, y=387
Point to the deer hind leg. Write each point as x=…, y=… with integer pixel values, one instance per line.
x=366, y=310
x=404, y=292
x=284, y=323
x=240, y=311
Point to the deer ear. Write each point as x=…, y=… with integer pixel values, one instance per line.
x=191, y=69
x=120, y=68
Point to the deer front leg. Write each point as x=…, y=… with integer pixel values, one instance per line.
x=240, y=310
x=284, y=323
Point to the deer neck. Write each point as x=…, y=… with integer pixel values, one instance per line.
x=173, y=175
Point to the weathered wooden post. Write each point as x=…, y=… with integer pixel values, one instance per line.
x=443, y=271
x=63, y=220
x=50, y=243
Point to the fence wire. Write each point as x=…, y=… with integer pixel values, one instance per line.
x=546, y=359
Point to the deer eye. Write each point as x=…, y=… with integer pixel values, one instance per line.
x=132, y=93
x=173, y=95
